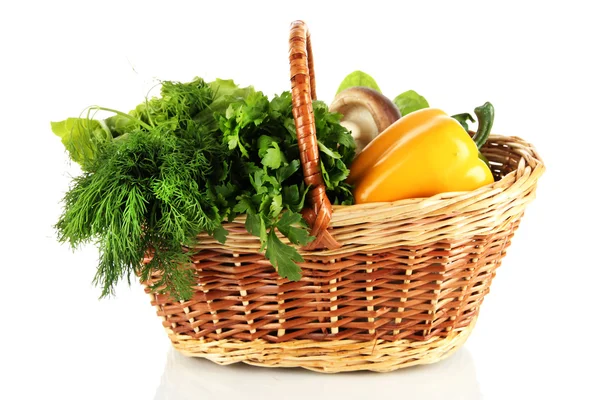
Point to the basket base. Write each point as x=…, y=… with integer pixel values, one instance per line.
x=326, y=356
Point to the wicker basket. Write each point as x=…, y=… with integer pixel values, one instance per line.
x=384, y=286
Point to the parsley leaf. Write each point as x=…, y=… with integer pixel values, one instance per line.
x=256, y=226
x=287, y=170
x=276, y=206
x=283, y=257
x=288, y=226
x=273, y=157
x=220, y=234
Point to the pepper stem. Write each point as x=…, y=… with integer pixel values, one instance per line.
x=463, y=120
x=485, y=119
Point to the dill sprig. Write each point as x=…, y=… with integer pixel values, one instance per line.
x=142, y=192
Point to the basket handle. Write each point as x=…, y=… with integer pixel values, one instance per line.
x=302, y=77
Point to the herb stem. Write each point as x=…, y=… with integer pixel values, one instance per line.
x=142, y=123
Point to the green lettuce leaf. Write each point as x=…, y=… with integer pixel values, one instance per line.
x=81, y=137
x=358, y=78
x=410, y=101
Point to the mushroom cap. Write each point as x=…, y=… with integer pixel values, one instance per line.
x=366, y=113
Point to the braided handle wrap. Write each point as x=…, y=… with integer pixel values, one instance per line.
x=302, y=77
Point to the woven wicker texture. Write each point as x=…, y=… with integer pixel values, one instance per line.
x=404, y=287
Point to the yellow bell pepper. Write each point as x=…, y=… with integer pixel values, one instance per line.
x=422, y=154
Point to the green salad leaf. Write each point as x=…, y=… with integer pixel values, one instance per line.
x=358, y=78
x=410, y=101
x=81, y=137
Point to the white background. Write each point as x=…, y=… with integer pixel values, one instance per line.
x=536, y=62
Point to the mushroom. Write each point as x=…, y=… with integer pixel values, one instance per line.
x=366, y=113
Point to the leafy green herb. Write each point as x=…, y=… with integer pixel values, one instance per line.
x=283, y=257
x=180, y=164
x=358, y=78
x=292, y=226
x=273, y=157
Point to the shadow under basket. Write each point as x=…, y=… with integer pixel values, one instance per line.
x=404, y=288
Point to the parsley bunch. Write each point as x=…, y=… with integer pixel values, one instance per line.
x=182, y=163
